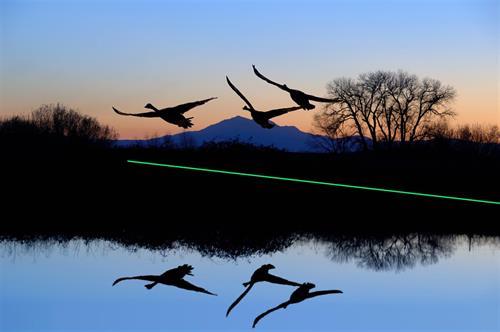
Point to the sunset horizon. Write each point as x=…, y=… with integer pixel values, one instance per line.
x=95, y=56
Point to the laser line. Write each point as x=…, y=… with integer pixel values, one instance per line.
x=208, y=170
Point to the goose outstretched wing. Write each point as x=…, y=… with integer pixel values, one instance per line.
x=278, y=112
x=183, y=108
x=281, y=86
x=262, y=315
x=323, y=292
x=239, y=299
x=321, y=100
x=189, y=286
x=145, y=278
x=238, y=92
x=143, y=115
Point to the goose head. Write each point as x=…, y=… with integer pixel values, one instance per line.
x=186, y=269
x=308, y=285
x=268, y=267
x=150, y=106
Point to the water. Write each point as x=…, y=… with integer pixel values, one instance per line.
x=395, y=284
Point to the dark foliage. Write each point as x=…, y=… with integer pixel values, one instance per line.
x=55, y=183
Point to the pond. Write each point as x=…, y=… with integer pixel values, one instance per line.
x=411, y=283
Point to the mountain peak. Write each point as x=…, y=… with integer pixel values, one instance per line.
x=240, y=128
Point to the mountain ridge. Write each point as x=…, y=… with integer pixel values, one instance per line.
x=288, y=138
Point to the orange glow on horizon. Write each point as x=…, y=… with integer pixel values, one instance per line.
x=222, y=109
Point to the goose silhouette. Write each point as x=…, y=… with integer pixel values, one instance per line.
x=173, y=115
x=302, y=99
x=261, y=118
x=300, y=294
x=172, y=277
x=260, y=275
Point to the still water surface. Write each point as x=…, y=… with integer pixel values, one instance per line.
x=419, y=285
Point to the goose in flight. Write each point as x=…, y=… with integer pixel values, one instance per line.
x=261, y=118
x=300, y=294
x=302, y=99
x=261, y=274
x=173, y=115
x=172, y=277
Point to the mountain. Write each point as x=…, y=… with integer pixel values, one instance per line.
x=245, y=130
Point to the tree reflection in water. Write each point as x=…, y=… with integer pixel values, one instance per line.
x=396, y=252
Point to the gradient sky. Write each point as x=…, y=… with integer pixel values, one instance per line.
x=91, y=55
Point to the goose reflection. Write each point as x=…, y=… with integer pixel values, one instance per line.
x=172, y=277
x=300, y=294
x=260, y=275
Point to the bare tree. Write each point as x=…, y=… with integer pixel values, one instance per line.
x=388, y=106
x=397, y=252
x=58, y=120
x=478, y=134
x=478, y=139
x=334, y=133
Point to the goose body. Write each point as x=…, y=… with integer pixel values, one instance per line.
x=173, y=277
x=173, y=115
x=260, y=275
x=300, y=294
x=300, y=98
x=260, y=117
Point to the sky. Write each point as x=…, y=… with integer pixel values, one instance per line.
x=68, y=288
x=92, y=55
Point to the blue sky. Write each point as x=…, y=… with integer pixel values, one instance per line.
x=92, y=55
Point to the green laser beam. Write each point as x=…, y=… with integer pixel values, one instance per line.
x=313, y=182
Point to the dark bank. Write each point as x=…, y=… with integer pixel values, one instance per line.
x=78, y=183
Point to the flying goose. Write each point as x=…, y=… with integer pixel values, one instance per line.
x=261, y=274
x=173, y=115
x=302, y=99
x=172, y=277
x=261, y=118
x=300, y=294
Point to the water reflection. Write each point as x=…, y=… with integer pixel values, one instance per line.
x=395, y=253
x=64, y=284
x=173, y=277
x=260, y=275
x=391, y=253
x=301, y=294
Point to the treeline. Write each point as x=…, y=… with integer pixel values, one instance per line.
x=478, y=139
x=386, y=110
x=52, y=128
x=382, y=252
x=57, y=129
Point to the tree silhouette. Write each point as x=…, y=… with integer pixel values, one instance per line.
x=480, y=140
x=387, y=106
x=52, y=131
x=334, y=133
x=397, y=252
x=61, y=121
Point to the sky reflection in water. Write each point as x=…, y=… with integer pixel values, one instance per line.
x=48, y=286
